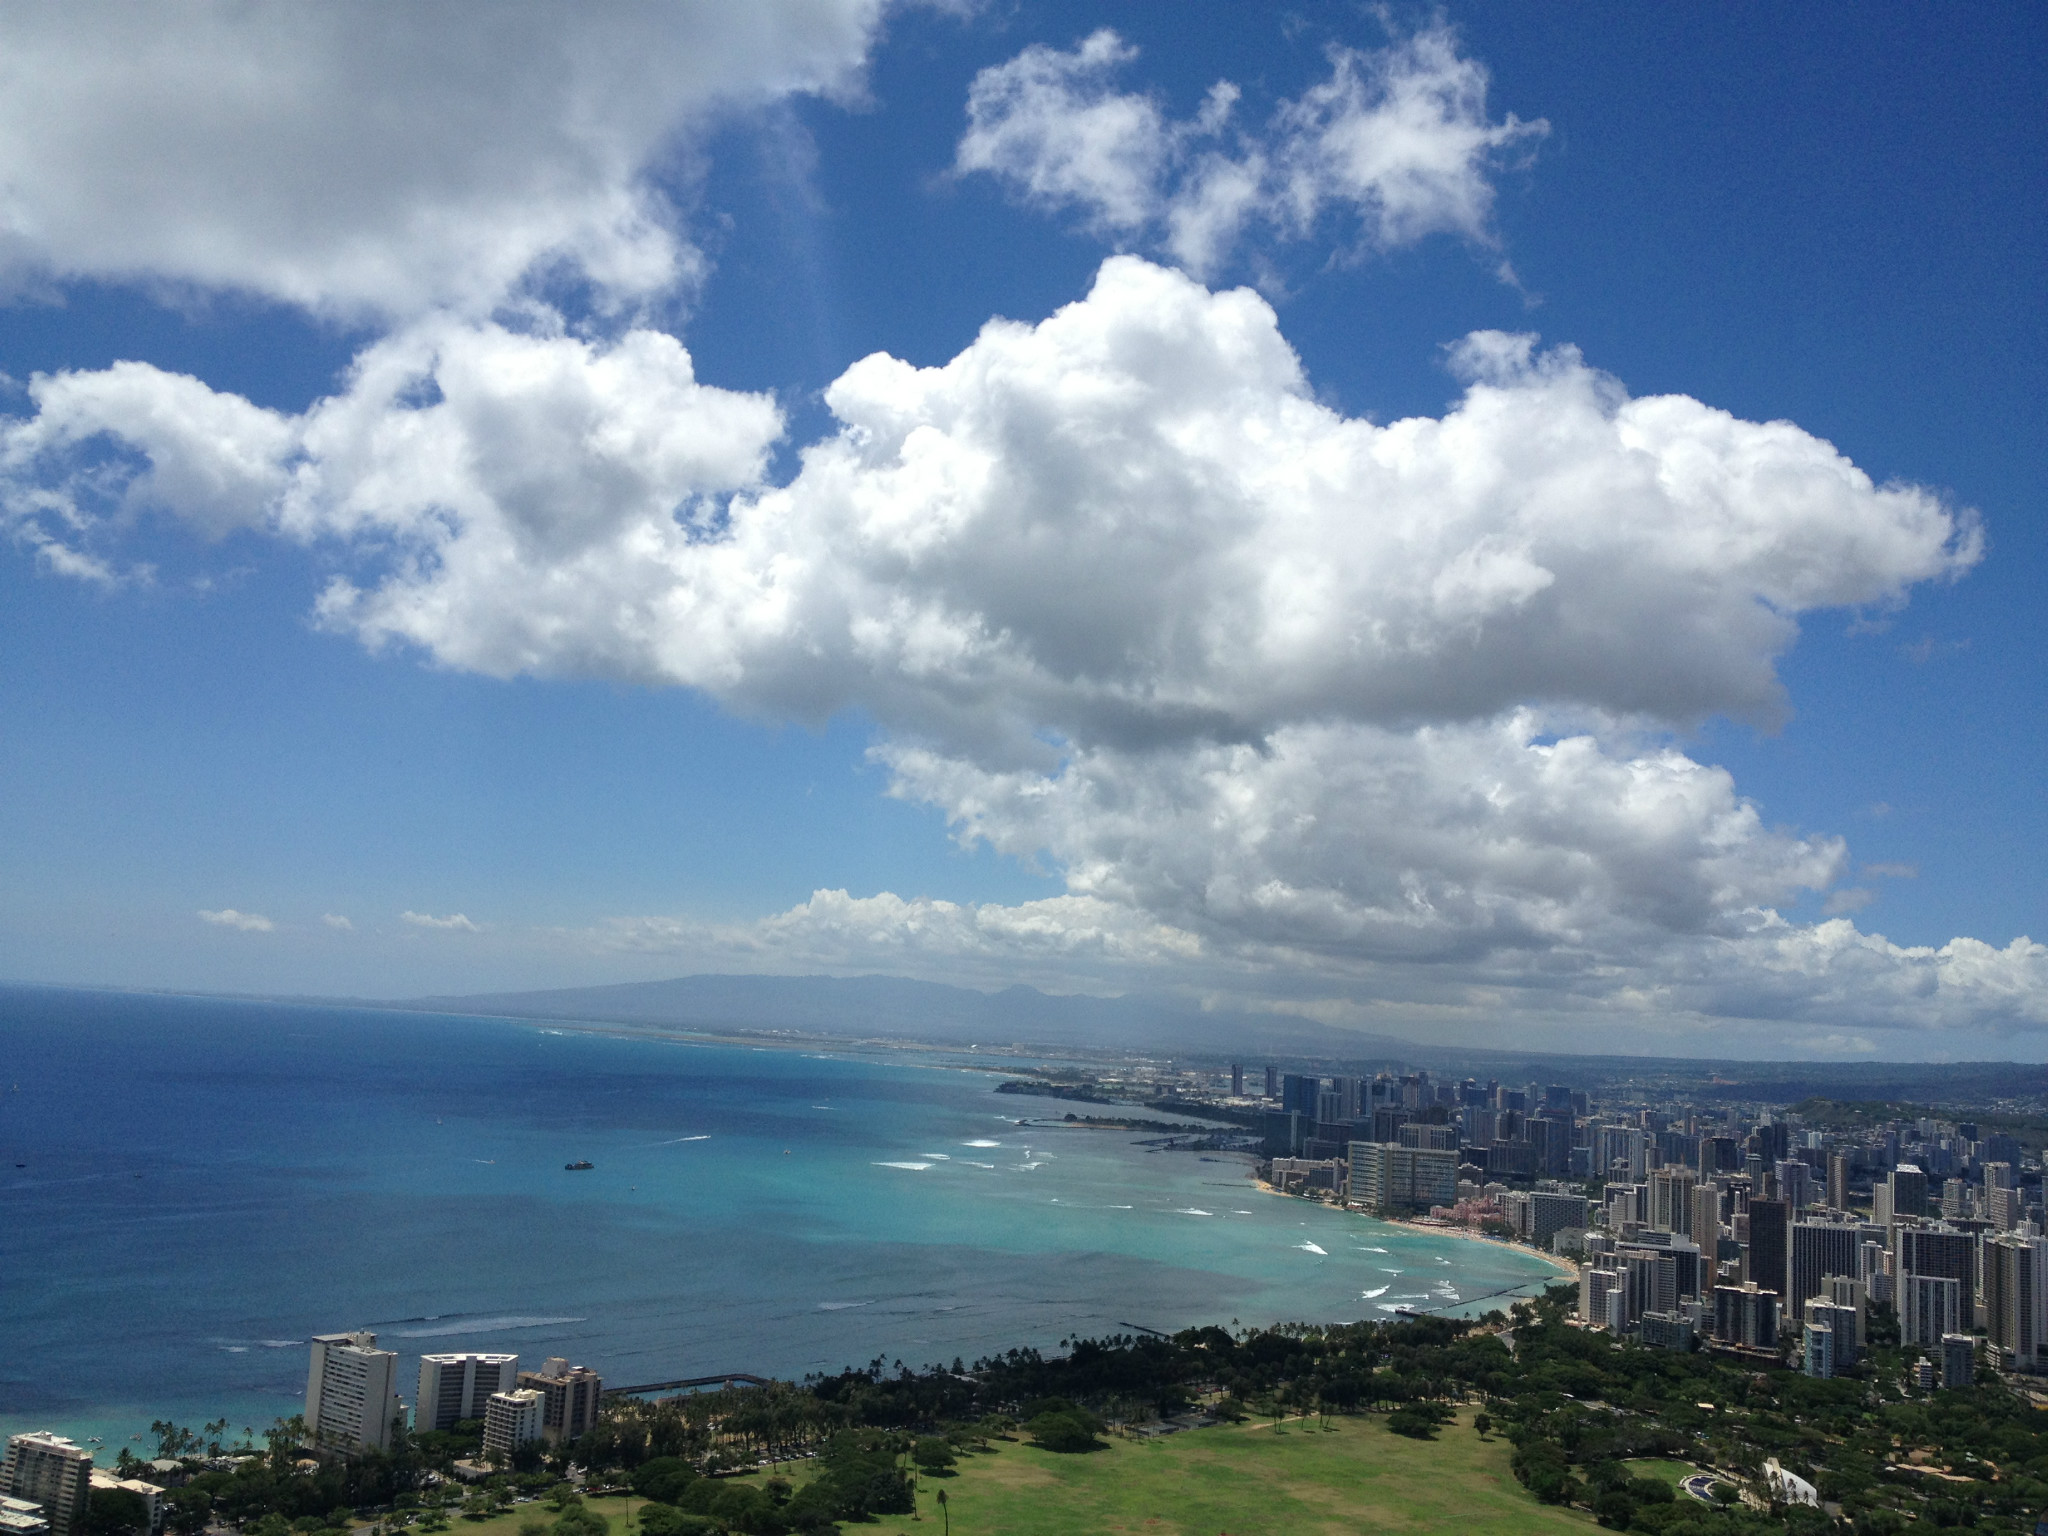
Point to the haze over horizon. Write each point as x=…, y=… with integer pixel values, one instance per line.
x=1493, y=528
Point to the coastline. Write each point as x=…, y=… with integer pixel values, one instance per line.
x=1557, y=1262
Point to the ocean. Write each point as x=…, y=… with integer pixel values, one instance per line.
x=190, y=1188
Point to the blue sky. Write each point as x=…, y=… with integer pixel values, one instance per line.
x=1075, y=683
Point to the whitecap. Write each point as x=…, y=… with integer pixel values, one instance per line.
x=236, y=1349
x=937, y=1157
x=1388, y=1306
x=480, y=1325
x=1123, y=1207
x=981, y=1143
x=842, y=1306
x=1193, y=1210
x=973, y=1164
x=1374, y=1295
x=1372, y=1250
x=677, y=1141
x=913, y=1167
x=1308, y=1247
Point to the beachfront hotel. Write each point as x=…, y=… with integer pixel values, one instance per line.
x=49, y=1471
x=456, y=1387
x=351, y=1394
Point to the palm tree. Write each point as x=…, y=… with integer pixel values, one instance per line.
x=946, y=1512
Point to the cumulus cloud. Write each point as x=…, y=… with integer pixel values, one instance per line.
x=454, y=922
x=246, y=922
x=1398, y=142
x=379, y=163
x=1278, y=692
x=338, y=922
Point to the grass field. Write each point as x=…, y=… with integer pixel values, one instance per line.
x=1244, y=1480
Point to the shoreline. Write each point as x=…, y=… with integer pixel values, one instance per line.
x=1557, y=1262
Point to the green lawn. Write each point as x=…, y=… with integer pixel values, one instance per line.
x=1244, y=1480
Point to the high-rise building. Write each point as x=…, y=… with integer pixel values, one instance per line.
x=1958, y=1361
x=1550, y=1214
x=1906, y=1188
x=570, y=1396
x=1929, y=1306
x=1236, y=1081
x=512, y=1419
x=1820, y=1249
x=1795, y=1183
x=456, y=1387
x=1299, y=1093
x=49, y=1471
x=1820, y=1350
x=351, y=1394
x=1746, y=1314
x=2016, y=1301
x=1938, y=1250
x=1767, y=1242
x=1671, y=1199
x=1272, y=1082
x=1706, y=1217
x=1838, y=1181
x=1390, y=1178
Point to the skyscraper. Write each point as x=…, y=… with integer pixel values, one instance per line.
x=49, y=1470
x=1767, y=1241
x=2016, y=1300
x=1939, y=1250
x=1236, y=1080
x=1820, y=1249
x=351, y=1394
x=1838, y=1181
x=1908, y=1189
x=456, y=1387
x=1929, y=1307
x=1671, y=1199
x=1706, y=1218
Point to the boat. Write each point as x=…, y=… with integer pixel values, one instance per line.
x=578, y=1167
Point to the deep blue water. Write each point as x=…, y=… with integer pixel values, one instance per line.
x=189, y=1188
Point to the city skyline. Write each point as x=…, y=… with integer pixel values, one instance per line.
x=1428, y=526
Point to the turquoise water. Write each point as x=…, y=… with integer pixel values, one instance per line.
x=205, y=1184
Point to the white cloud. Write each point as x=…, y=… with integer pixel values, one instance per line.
x=336, y=921
x=246, y=922
x=1280, y=694
x=1399, y=141
x=455, y=922
x=379, y=162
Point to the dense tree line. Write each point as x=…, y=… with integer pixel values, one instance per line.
x=1577, y=1406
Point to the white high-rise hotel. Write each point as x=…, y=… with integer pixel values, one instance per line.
x=48, y=1470
x=352, y=1394
x=457, y=1387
